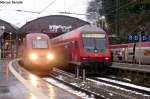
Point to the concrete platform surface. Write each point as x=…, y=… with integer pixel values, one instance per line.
x=29, y=87
x=10, y=87
x=132, y=67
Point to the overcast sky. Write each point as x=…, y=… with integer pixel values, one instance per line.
x=8, y=9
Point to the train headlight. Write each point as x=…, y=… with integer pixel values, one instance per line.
x=107, y=58
x=50, y=56
x=33, y=56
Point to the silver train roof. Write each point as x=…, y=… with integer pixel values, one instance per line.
x=90, y=28
x=84, y=29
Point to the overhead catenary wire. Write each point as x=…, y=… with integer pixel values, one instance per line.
x=47, y=6
x=38, y=12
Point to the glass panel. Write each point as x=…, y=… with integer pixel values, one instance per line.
x=101, y=44
x=94, y=42
x=88, y=43
x=40, y=43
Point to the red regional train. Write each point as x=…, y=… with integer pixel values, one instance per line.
x=87, y=46
x=36, y=53
x=132, y=52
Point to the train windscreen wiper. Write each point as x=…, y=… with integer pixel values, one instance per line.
x=95, y=46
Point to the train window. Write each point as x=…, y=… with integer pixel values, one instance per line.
x=94, y=43
x=40, y=43
x=130, y=53
x=100, y=44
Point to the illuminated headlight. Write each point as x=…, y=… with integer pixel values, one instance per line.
x=107, y=58
x=84, y=58
x=33, y=56
x=50, y=56
x=38, y=38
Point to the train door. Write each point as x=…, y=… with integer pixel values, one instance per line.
x=75, y=51
x=67, y=50
x=126, y=54
x=146, y=55
x=123, y=51
x=117, y=54
x=142, y=53
x=131, y=53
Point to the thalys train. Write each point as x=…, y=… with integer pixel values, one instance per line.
x=36, y=53
x=132, y=52
x=87, y=46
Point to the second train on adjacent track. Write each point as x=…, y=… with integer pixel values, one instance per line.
x=87, y=46
x=138, y=52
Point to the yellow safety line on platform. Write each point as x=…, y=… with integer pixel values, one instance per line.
x=33, y=89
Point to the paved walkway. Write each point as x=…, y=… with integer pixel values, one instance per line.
x=132, y=67
x=10, y=87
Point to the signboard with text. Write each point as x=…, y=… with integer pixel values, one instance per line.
x=137, y=38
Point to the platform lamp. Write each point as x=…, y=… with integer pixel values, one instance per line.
x=102, y=21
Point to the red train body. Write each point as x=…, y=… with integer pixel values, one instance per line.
x=132, y=52
x=87, y=45
x=36, y=53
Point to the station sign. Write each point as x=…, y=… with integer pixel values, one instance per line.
x=137, y=38
x=59, y=28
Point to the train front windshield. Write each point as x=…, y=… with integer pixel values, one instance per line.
x=41, y=43
x=94, y=42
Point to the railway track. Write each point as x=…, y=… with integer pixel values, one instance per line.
x=125, y=84
x=120, y=84
x=137, y=74
x=74, y=84
x=99, y=87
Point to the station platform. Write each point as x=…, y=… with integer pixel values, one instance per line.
x=10, y=87
x=131, y=67
x=32, y=86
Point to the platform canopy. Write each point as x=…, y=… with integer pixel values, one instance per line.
x=52, y=25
